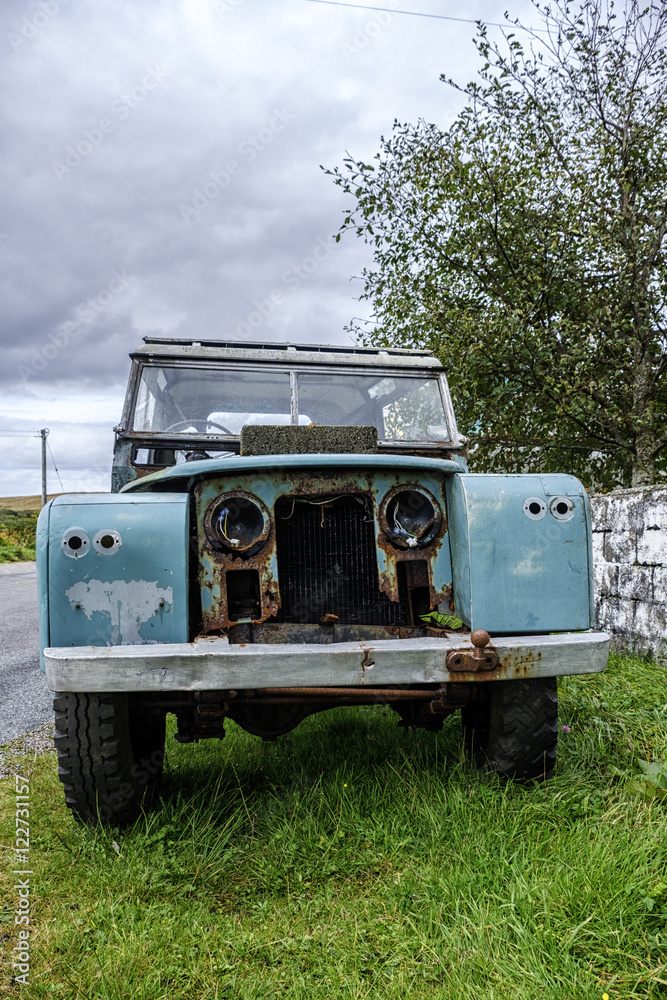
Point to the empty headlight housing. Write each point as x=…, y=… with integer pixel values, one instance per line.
x=411, y=518
x=237, y=522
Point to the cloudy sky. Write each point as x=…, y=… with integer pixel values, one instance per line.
x=161, y=175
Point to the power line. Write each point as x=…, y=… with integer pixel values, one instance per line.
x=55, y=466
x=419, y=13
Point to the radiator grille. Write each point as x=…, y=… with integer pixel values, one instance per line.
x=327, y=564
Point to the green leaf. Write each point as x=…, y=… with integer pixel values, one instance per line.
x=442, y=621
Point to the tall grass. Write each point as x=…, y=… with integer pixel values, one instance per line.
x=17, y=535
x=355, y=859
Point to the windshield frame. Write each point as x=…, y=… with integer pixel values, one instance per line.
x=126, y=431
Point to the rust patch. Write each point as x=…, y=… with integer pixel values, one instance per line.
x=307, y=483
x=519, y=666
x=396, y=554
x=355, y=693
x=216, y=616
x=483, y=656
x=366, y=661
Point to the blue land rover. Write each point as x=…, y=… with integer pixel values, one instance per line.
x=293, y=528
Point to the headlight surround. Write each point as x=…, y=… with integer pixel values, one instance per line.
x=410, y=518
x=237, y=522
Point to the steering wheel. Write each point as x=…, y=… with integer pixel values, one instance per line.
x=197, y=420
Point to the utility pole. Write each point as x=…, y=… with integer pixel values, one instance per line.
x=43, y=434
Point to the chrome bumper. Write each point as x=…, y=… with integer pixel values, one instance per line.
x=215, y=664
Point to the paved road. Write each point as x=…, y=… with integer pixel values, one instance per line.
x=25, y=702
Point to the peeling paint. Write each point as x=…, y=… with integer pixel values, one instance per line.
x=128, y=603
x=315, y=482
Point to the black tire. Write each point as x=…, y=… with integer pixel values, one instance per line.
x=110, y=756
x=512, y=728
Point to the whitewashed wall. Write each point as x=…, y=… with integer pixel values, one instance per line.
x=630, y=554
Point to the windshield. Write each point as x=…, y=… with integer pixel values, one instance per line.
x=206, y=401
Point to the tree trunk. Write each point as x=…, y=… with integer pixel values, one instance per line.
x=643, y=463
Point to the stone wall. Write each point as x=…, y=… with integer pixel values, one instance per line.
x=630, y=556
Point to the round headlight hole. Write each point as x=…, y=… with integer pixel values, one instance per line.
x=534, y=508
x=75, y=543
x=562, y=508
x=107, y=541
x=238, y=522
x=410, y=518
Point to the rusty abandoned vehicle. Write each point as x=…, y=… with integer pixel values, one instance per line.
x=293, y=528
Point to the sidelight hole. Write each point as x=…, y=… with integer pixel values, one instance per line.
x=75, y=542
x=413, y=588
x=243, y=599
x=562, y=508
x=534, y=508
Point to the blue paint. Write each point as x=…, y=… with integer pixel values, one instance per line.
x=135, y=594
x=213, y=466
x=513, y=574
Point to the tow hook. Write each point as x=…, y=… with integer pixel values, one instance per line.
x=481, y=657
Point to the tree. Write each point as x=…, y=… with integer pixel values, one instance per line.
x=526, y=244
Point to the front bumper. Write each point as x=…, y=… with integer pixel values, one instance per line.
x=215, y=664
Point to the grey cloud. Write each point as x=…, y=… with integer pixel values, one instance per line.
x=269, y=86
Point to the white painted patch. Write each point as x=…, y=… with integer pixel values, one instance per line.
x=532, y=564
x=128, y=603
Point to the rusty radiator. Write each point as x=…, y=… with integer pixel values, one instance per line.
x=327, y=563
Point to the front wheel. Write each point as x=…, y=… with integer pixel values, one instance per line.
x=110, y=755
x=512, y=727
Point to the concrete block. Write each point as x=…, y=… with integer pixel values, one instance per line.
x=606, y=580
x=616, y=616
x=598, y=540
x=651, y=624
x=654, y=508
x=617, y=511
x=652, y=545
x=635, y=583
x=660, y=584
x=600, y=516
x=620, y=547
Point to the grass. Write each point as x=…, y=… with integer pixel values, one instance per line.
x=17, y=534
x=18, y=522
x=355, y=859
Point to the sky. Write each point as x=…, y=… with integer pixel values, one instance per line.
x=161, y=175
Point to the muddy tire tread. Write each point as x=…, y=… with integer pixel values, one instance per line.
x=513, y=729
x=96, y=757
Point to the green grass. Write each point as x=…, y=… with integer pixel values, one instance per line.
x=355, y=859
x=17, y=535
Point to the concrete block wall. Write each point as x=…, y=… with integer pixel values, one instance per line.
x=630, y=557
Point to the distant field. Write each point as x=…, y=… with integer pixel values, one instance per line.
x=18, y=520
x=31, y=505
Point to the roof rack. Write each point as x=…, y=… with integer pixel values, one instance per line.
x=257, y=345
